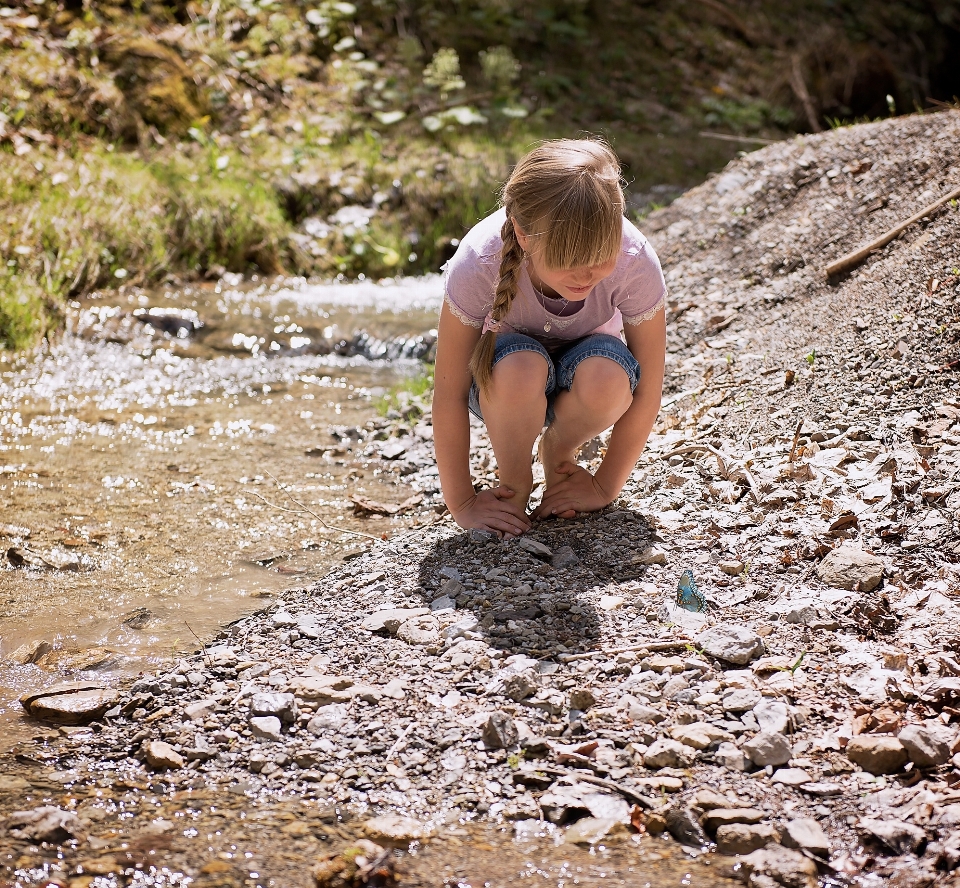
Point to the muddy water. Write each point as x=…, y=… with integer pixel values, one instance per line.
x=143, y=832
x=141, y=461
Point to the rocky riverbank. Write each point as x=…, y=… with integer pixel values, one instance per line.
x=804, y=471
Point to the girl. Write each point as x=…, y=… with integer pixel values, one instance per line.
x=535, y=300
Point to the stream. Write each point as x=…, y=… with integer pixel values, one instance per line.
x=140, y=456
x=173, y=463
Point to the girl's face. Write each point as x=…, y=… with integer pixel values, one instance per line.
x=573, y=284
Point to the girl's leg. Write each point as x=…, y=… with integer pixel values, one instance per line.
x=513, y=409
x=597, y=377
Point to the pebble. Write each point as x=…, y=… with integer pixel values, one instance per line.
x=700, y=735
x=683, y=825
x=652, y=556
x=730, y=756
x=395, y=828
x=741, y=700
x=590, y=830
x=717, y=817
x=266, y=727
x=847, y=566
x=500, y=731
x=391, y=619
x=877, y=754
x=732, y=568
x=283, y=706
x=162, y=756
x=420, y=631
x=668, y=754
x=791, y=777
x=730, y=643
x=927, y=745
x=768, y=748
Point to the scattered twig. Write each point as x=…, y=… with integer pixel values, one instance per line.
x=206, y=659
x=852, y=260
x=626, y=792
x=399, y=742
x=654, y=647
x=796, y=440
x=304, y=509
x=708, y=448
x=754, y=489
x=679, y=397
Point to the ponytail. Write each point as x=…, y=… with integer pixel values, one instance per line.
x=511, y=259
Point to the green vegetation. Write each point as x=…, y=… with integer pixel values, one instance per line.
x=408, y=399
x=146, y=140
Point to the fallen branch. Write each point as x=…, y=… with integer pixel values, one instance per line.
x=852, y=260
x=626, y=792
x=730, y=137
x=304, y=510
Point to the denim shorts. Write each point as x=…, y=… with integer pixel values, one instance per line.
x=562, y=364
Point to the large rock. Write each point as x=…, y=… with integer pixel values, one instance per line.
x=768, y=748
x=730, y=643
x=807, y=835
x=848, y=566
x=772, y=715
x=899, y=836
x=776, y=865
x=927, y=745
x=75, y=703
x=683, y=825
x=669, y=754
x=47, y=824
x=877, y=754
x=742, y=838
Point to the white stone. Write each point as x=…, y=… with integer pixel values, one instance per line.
x=730, y=643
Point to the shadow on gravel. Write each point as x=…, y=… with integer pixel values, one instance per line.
x=539, y=602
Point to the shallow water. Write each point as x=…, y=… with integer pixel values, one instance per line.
x=141, y=831
x=144, y=455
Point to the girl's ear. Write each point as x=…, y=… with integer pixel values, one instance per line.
x=522, y=239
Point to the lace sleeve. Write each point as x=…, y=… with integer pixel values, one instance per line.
x=459, y=315
x=648, y=314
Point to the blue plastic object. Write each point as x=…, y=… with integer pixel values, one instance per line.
x=689, y=597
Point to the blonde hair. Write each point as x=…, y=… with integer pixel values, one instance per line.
x=567, y=194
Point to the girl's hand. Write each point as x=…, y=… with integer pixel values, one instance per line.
x=578, y=492
x=492, y=510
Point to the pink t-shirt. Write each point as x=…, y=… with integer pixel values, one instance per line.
x=633, y=293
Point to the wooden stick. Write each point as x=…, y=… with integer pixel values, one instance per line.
x=852, y=260
x=730, y=137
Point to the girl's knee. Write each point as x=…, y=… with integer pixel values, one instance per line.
x=522, y=374
x=601, y=380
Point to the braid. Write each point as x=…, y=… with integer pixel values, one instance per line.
x=511, y=260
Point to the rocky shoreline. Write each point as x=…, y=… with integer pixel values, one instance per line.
x=805, y=720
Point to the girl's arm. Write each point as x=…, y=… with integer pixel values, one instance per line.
x=584, y=492
x=648, y=344
x=490, y=509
